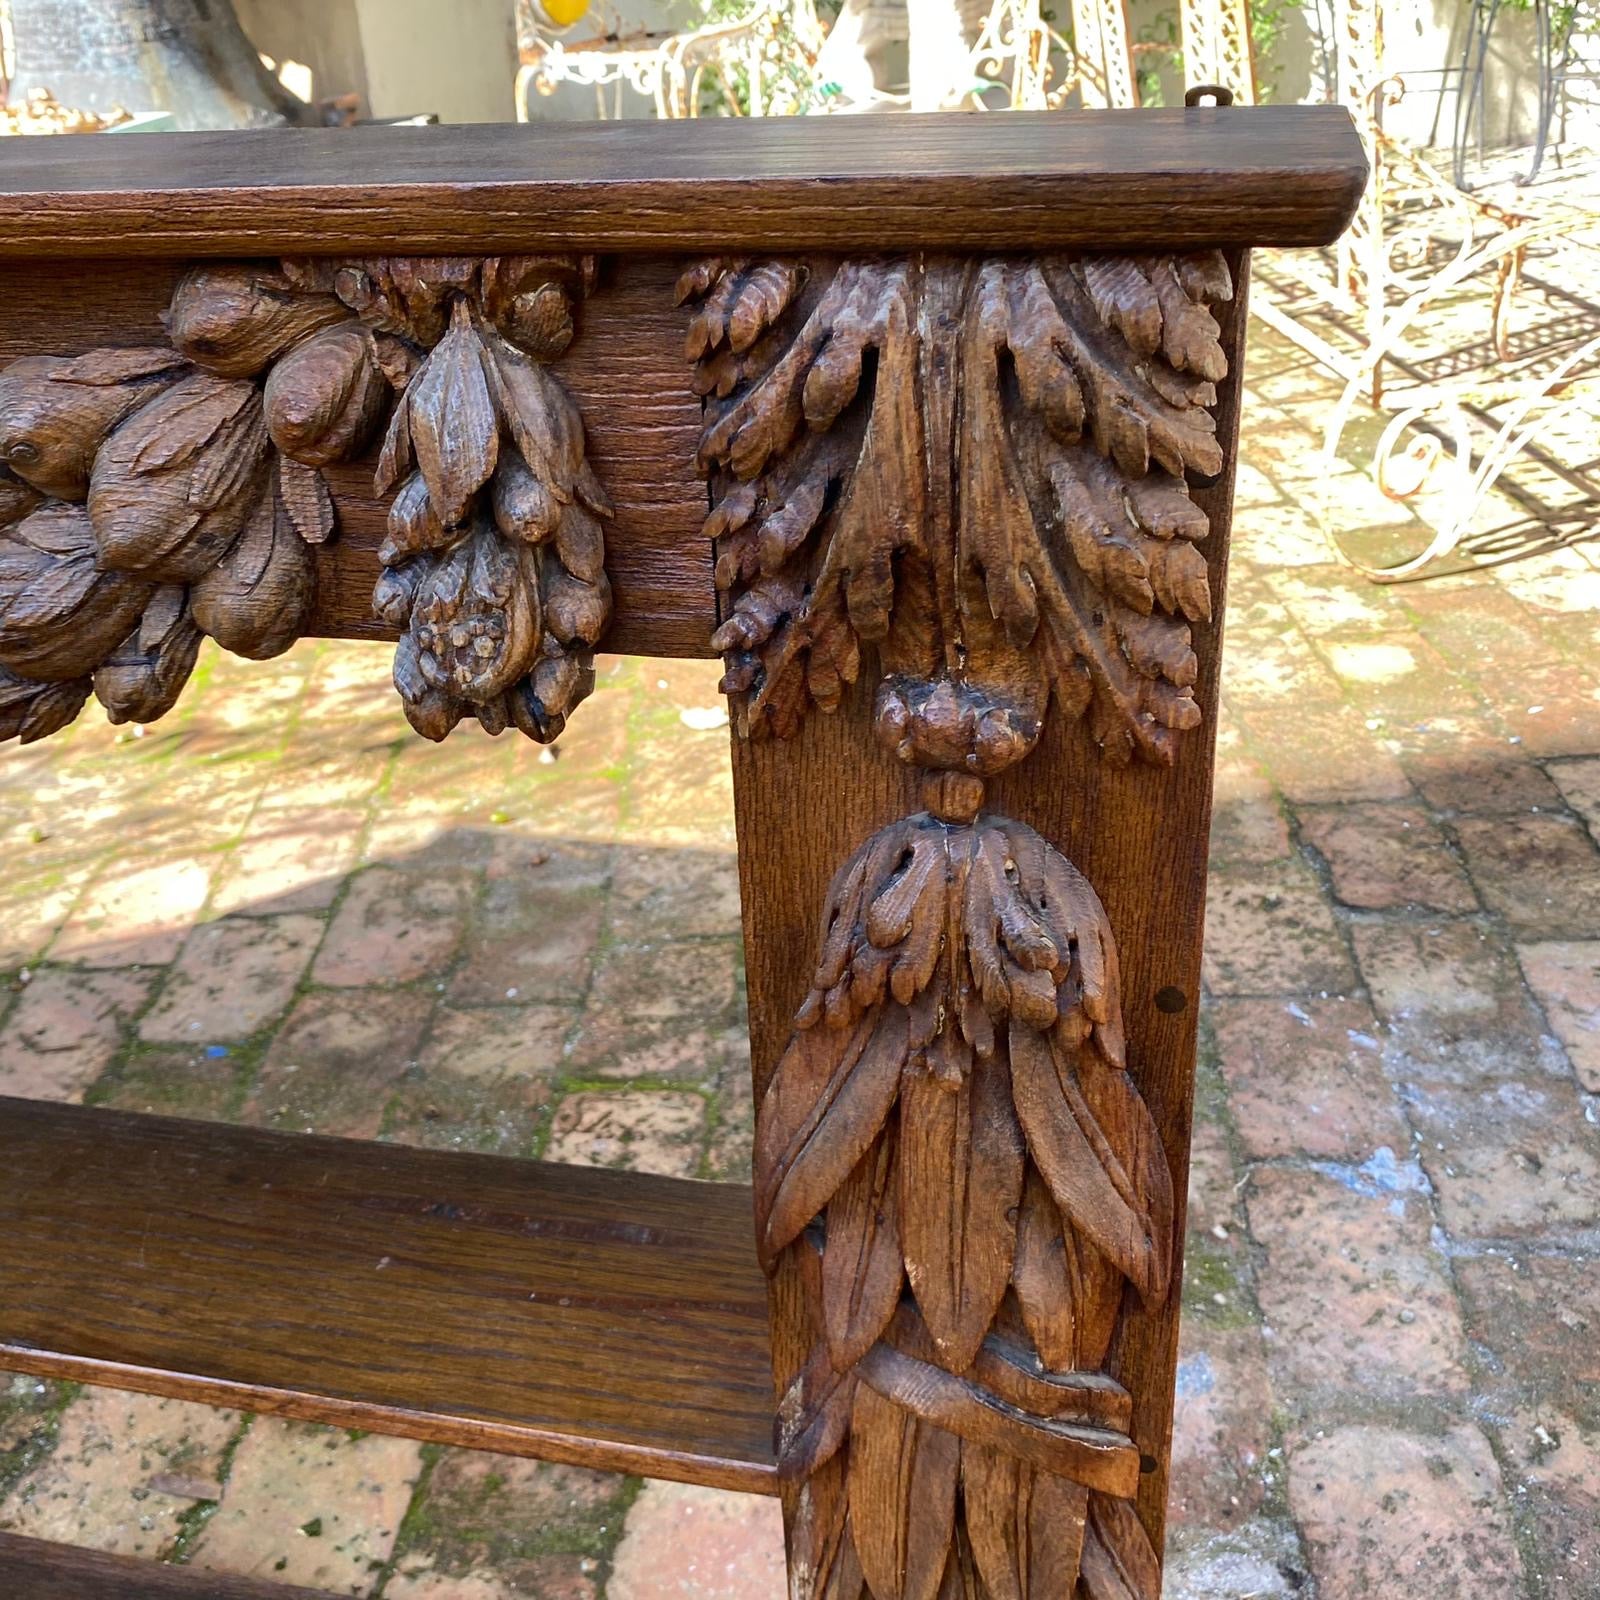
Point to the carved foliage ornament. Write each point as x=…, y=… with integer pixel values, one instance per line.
x=980, y=469
x=152, y=496
x=978, y=462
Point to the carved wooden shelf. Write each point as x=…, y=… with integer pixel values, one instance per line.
x=608, y=1319
x=1282, y=175
x=927, y=426
x=34, y=1569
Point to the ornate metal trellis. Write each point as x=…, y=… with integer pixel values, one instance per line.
x=756, y=50
x=1017, y=50
x=1217, y=47
x=1417, y=241
x=761, y=60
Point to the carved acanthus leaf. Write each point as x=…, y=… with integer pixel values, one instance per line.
x=269, y=572
x=189, y=480
x=954, y=1131
x=980, y=471
x=981, y=464
x=62, y=613
x=31, y=710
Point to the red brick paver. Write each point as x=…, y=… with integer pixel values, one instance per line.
x=1386, y=1510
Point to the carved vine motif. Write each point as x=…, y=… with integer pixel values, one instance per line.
x=981, y=470
x=152, y=496
x=974, y=465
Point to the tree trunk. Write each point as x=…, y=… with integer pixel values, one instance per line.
x=187, y=57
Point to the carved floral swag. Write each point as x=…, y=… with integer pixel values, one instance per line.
x=152, y=496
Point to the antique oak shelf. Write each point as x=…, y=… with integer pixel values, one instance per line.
x=616, y=1321
x=35, y=1569
x=1287, y=175
x=928, y=427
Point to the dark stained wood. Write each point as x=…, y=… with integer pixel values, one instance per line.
x=625, y=371
x=1137, y=832
x=1153, y=882
x=1278, y=175
x=34, y=1569
x=953, y=1101
x=605, y=1319
x=951, y=421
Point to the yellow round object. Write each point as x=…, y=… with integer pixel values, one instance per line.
x=563, y=13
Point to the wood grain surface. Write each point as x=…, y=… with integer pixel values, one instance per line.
x=606, y=1319
x=34, y=1569
x=1173, y=178
x=615, y=1320
x=977, y=471
x=1138, y=833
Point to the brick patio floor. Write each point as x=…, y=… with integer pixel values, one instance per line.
x=279, y=908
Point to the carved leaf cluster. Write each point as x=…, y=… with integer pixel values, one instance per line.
x=150, y=496
x=955, y=461
x=188, y=480
x=495, y=556
x=952, y=1150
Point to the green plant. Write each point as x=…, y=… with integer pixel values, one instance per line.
x=1267, y=23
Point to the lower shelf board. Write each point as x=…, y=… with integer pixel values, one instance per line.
x=31, y=1569
x=605, y=1319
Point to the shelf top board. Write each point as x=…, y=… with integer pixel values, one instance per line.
x=1175, y=178
x=612, y=1320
